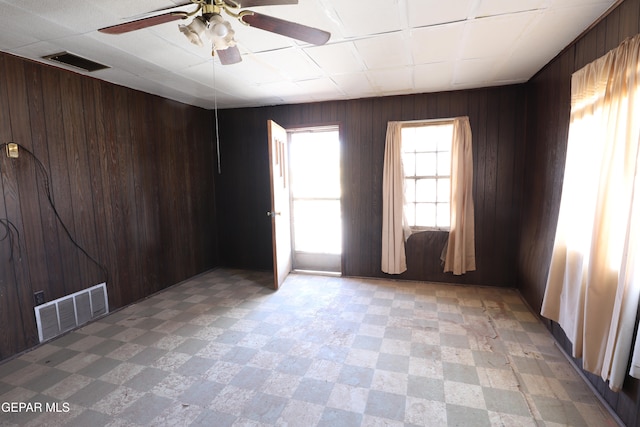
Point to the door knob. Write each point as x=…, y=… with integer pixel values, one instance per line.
x=272, y=214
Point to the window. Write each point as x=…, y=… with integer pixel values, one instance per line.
x=430, y=165
x=592, y=286
x=426, y=160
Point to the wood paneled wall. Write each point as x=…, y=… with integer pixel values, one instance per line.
x=130, y=175
x=497, y=122
x=547, y=132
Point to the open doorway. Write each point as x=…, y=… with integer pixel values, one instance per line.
x=316, y=220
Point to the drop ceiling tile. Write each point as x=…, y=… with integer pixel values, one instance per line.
x=560, y=26
x=19, y=28
x=433, y=77
x=145, y=85
x=292, y=64
x=579, y=3
x=130, y=80
x=494, y=36
x=392, y=80
x=252, y=71
x=474, y=72
x=145, y=45
x=33, y=50
x=503, y=7
x=280, y=90
x=82, y=20
x=436, y=44
x=384, y=51
x=336, y=58
x=226, y=80
x=354, y=84
x=553, y=31
x=433, y=12
x=185, y=86
x=320, y=89
x=204, y=73
x=519, y=67
x=188, y=86
x=368, y=17
x=12, y=41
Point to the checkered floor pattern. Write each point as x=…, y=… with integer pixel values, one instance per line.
x=223, y=349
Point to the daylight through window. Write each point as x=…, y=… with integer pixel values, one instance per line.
x=426, y=159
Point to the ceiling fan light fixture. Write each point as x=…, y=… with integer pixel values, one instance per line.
x=220, y=32
x=195, y=31
x=218, y=27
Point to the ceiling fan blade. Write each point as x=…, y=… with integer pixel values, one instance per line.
x=286, y=28
x=230, y=55
x=143, y=23
x=255, y=3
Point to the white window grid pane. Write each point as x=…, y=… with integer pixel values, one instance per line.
x=446, y=138
x=444, y=190
x=426, y=190
x=425, y=214
x=410, y=214
x=444, y=163
x=409, y=163
x=410, y=191
x=426, y=154
x=426, y=164
x=409, y=140
x=443, y=215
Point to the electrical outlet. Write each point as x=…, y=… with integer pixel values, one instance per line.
x=38, y=297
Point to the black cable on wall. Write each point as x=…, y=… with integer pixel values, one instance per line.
x=11, y=232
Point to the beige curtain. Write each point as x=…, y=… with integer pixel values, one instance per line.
x=459, y=253
x=592, y=287
x=395, y=231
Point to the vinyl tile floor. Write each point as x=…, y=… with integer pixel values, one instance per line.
x=223, y=349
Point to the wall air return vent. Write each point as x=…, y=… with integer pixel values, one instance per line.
x=71, y=311
x=75, y=61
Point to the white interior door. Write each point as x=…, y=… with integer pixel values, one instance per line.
x=280, y=208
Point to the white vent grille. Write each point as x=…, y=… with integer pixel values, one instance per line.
x=71, y=311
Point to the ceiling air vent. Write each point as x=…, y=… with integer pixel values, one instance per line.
x=75, y=61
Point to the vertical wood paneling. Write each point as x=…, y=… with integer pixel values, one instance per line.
x=630, y=24
x=95, y=133
x=547, y=132
x=612, y=24
x=130, y=177
x=11, y=339
x=478, y=114
x=495, y=115
x=82, y=218
x=22, y=187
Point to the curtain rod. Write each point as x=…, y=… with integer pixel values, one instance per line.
x=445, y=120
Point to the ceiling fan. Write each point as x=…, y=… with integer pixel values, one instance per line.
x=209, y=25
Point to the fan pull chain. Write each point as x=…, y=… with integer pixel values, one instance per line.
x=215, y=111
